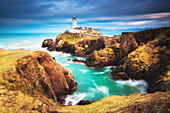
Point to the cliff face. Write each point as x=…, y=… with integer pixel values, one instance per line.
x=149, y=61
x=75, y=44
x=116, y=49
x=41, y=74
x=149, y=35
x=37, y=73
x=91, y=44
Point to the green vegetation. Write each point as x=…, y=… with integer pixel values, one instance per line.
x=14, y=96
x=146, y=55
x=8, y=59
x=110, y=52
x=132, y=104
x=70, y=37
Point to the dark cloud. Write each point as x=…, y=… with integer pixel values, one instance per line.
x=59, y=11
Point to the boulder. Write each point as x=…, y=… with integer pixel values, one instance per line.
x=85, y=102
x=77, y=60
x=47, y=42
x=42, y=74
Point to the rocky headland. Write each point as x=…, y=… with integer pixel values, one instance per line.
x=141, y=55
x=32, y=81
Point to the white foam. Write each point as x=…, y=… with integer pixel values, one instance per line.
x=60, y=54
x=102, y=72
x=83, y=70
x=55, y=53
x=70, y=62
x=64, y=64
x=132, y=82
x=65, y=54
x=103, y=89
x=142, y=83
x=74, y=98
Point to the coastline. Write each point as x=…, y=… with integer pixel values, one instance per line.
x=13, y=79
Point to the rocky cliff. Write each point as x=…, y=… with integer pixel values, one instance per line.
x=31, y=81
x=116, y=49
x=75, y=44
x=42, y=74
x=141, y=55
x=149, y=61
x=35, y=77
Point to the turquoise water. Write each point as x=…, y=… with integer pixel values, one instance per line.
x=93, y=84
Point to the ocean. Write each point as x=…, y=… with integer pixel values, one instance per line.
x=93, y=83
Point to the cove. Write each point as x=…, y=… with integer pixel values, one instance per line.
x=94, y=83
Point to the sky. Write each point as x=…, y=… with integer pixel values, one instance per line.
x=55, y=16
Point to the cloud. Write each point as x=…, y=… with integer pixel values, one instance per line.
x=164, y=15
x=132, y=23
x=23, y=42
x=22, y=14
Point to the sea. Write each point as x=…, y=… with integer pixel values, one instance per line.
x=93, y=83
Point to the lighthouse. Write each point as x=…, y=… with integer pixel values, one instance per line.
x=83, y=29
x=74, y=22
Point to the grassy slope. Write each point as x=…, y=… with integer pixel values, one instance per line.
x=8, y=58
x=141, y=103
x=72, y=37
x=12, y=100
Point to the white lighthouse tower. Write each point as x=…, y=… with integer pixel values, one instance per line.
x=74, y=22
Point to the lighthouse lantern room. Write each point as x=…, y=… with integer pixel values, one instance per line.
x=74, y=22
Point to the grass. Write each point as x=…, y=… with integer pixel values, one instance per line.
x=70, y=37
x=18, y=100
x=73, y=40
x=73, y=37
x=8, y=59
x=12, y=101
x=115, y=104
x=15, y=101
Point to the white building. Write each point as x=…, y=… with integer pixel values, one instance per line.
x=76, y=29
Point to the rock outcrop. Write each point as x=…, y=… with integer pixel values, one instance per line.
x=85, y=102
x=47, y=42
x=77, y=60
x=42, y=74
x=91, y=44
x=115, y=50
x=75, y=44
x=149, y=61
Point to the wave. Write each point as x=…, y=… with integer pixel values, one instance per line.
x=83, y=70
x=64, y=64
x=102, y=72
x=74, y=98
x=103, y=89
x=140, y=84
x=60, y=54
x=65, y=54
